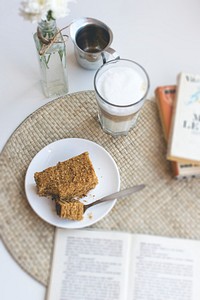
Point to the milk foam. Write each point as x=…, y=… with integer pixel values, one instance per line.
x=121, y=86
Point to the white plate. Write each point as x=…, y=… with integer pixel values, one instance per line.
x=106, y=171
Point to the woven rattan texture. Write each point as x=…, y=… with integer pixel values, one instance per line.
x=165, y=207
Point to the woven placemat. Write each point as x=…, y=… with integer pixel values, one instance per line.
x=165, y=207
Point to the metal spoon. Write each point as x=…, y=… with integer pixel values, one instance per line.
x=116, y=195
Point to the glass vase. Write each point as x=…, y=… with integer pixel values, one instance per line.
x=51, y=50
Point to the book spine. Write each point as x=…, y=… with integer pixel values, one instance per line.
x=165, y=97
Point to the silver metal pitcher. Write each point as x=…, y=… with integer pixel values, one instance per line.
x=92, y=39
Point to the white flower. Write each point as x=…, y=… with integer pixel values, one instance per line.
x=59, y=8
x=35, y=10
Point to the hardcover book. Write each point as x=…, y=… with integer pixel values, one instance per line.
x=184, y=137
x=165, y=97
x=111, y=265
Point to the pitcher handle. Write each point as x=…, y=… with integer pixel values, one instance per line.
x=112, y=52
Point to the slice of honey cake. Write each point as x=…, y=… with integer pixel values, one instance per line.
x=69, y=179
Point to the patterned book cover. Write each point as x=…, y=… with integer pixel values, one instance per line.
x=165, y=97
x=184, y=137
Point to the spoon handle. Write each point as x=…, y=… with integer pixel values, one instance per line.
x=118, y=195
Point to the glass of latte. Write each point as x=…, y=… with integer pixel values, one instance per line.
x=121, y=87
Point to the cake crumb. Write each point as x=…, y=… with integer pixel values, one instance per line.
x=90, y=215
x=71, y=210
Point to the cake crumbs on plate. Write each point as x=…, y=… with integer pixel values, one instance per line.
x=90, y=215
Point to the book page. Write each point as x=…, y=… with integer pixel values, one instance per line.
x=165, y=269
x=89, y=265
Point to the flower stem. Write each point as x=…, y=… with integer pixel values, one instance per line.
x=50, y=15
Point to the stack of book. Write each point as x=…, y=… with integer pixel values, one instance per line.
x=179, y=109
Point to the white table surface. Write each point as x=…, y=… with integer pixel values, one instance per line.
x=163, y=36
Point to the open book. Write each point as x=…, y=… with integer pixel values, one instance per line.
x=107, y=265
